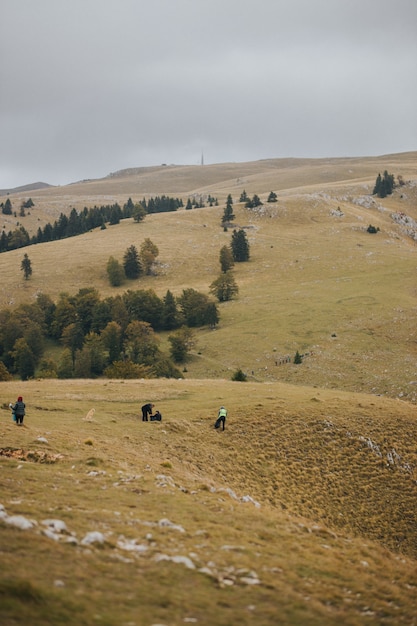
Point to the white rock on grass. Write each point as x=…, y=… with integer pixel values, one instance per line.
x=166, y=523
x=131, y=545
x=184, y=560
x=19, y=521
x=93, y=537
x=56, y=525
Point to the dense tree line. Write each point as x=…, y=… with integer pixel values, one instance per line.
x=114, y=336
x=79, y=222
x=161, y=204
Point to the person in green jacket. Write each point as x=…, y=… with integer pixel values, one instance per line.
x=221, y=418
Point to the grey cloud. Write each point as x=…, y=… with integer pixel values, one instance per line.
x=90, y=86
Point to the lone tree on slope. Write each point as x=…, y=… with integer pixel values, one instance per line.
x=240, y=246
x=26, y=267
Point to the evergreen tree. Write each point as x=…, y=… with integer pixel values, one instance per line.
x=7, y=208
x=272, y=197
x=131, y=263
x=228, y=215
x=128, y=208
x=26, y=267
x=239, y=376
x=240, y=246
x=170, y=313
x=298, y=358
x=384, y=185
x=243, y=196
x=115, y=214
x=377, y=187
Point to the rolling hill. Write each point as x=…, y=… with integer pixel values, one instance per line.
x=303, y=510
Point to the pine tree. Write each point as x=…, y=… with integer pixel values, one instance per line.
x=131, y=263
x=272, y=197
x=384, y=185
x=240, y=246
x=170, y=313
x=298, y=358
x=228, y=215
x=26, y=267
x=7, y=207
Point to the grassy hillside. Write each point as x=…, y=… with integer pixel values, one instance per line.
x=301, y=512
x=316, y=282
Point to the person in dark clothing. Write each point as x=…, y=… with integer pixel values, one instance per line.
x=19, y=410
x=147, y=411
x=157, y=417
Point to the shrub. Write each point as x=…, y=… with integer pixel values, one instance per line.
x=239, y=376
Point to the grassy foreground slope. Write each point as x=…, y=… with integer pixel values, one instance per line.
x=301, y=512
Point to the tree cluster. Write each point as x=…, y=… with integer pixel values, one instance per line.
x=161, y=204
x=384, y=185
x=79, y=222
x=225, y=288
x=98, y=336
x=134, y=263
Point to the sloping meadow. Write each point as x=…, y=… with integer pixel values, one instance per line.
x=301, y=511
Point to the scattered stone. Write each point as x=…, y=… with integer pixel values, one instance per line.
x=19, y=521
x=93, y=537
x=166, y=523
x=184, y=560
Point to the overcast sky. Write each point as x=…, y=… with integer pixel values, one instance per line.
x=88, y=87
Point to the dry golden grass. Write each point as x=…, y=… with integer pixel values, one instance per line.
x=289, y=515
x=316, y=282
x=326, y=448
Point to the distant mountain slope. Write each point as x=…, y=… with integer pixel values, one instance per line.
x=25, y=188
